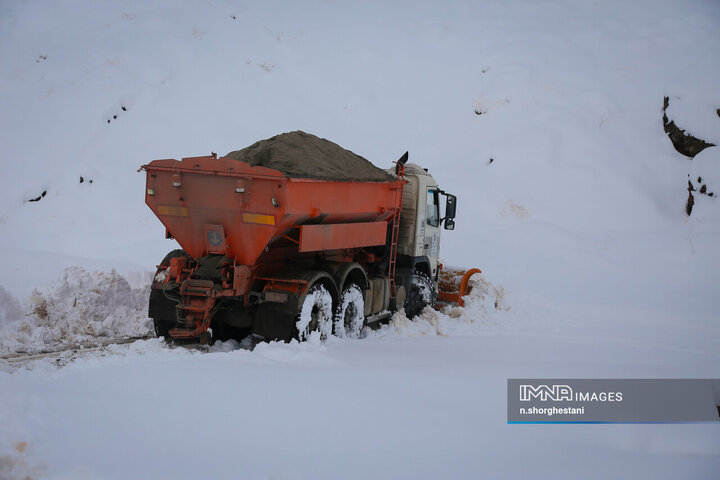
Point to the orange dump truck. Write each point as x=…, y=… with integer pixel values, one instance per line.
x=290, y=236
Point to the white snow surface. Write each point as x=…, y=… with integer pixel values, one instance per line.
x=591, y=266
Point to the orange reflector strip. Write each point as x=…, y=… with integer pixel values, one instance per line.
x=172, y=210
x=258, y=218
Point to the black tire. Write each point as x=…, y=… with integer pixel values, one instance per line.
x=222, y=331
x=421, y=294
x=316, y=313
x=161, y=308
x=350, y=316
x=162, y=328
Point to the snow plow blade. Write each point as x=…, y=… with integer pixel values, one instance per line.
x=454, y=284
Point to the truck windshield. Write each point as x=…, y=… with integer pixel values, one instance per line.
x=431, y=209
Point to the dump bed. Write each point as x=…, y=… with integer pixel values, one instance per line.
x=228, y=206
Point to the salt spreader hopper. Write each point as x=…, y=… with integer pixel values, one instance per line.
x=294, y=235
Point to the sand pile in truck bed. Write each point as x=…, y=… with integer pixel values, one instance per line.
x=302, y=155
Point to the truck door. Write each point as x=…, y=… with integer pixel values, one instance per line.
x=431, y=241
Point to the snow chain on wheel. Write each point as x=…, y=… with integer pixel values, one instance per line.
x=350, y=317
x=316, y=314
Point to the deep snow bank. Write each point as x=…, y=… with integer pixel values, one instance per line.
x=482, y=304
x=10, y=310
x=79, y=307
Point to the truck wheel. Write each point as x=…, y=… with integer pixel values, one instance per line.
x=422, y=293
x=162, y=327
x=350, y=317
x=161, y=306
x=223, y=331
x=315, y=313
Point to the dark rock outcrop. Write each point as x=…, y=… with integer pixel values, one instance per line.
x=683, y=142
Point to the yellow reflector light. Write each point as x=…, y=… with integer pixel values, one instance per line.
x=150, y=191
x=258, y=218
x=172, y=210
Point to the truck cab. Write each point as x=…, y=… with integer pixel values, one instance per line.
x=421, y=222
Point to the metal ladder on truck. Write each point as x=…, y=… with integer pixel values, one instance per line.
x=400, y=172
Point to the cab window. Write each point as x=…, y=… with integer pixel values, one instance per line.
x=432, y=211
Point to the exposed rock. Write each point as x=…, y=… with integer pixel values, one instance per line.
x=683, y=142
x=39, y=197
x=702, y=179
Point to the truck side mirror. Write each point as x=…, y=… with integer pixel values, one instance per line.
x=450, y=206
x=449, y=224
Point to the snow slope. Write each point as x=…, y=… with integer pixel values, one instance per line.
x=545, y=118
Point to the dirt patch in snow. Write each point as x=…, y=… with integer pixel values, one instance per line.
x=17, y=465
x=302, y=155
x=514, y=210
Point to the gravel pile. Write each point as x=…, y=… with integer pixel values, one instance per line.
x=302, y=155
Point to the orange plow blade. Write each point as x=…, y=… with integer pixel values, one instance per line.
x=453, y=284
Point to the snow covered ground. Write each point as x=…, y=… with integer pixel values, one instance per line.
x=545, y=118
